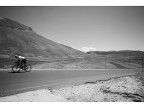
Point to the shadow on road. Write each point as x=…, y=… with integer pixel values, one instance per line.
x=18, y=72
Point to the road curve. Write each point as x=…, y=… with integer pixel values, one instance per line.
x=12, y=83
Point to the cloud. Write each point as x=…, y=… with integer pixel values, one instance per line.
x=86, y=49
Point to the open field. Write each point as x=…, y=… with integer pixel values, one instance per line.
x=87, y=62
x=9, y=62
x=92, y=63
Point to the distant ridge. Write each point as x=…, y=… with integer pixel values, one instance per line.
x=122, y=53
x=18, y=38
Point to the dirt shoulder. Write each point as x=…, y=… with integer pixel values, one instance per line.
x=122, y=89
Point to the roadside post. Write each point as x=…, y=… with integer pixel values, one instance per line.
x=105, y=62
x=142, y=63
x=129, y=64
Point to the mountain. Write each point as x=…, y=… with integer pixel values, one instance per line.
x=122, y=53
x=16, y=38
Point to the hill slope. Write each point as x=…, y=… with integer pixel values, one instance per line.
x=18, y=38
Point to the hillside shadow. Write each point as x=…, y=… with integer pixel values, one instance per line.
x=118, y=65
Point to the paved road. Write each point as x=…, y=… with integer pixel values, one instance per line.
x=11, y=83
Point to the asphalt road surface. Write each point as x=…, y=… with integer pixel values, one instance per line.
x=12, y=83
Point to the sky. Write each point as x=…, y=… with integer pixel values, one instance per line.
x=102, y=28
